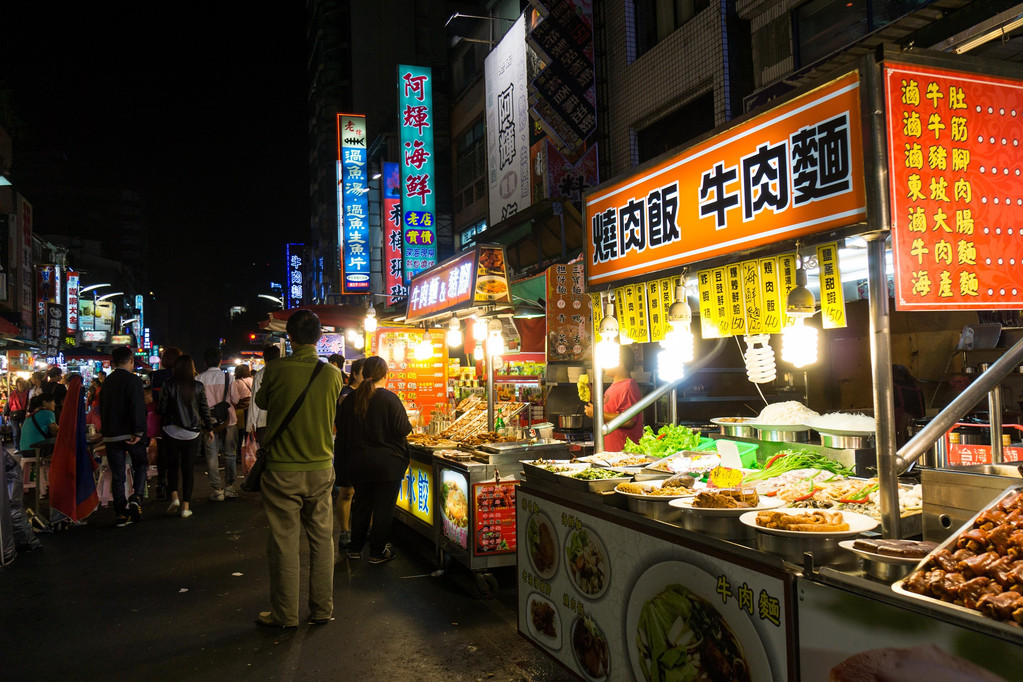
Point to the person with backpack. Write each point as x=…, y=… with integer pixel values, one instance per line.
x=217, y=383
x=186, y=423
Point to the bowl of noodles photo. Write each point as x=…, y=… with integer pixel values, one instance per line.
x=456, y=513
x=491, y=288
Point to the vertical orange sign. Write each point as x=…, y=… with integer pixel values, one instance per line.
x=954, y=162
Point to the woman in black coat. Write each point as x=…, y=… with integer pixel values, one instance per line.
x=372, y=426
x=186, y=420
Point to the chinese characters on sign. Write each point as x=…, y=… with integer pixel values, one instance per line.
x=563, y=94
x=72, y=301
x=495, y=517
x=569, y=314
x=294, y=255
x=353, y=204
x=418, y=183
x=49, y=309
x=391, y=219
x=446, y=287
x=956, y=205
x=795, y=170
x=421, y=385
x=507, y=112
x=416, y=492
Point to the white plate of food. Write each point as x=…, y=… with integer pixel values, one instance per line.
x=733, y=421
x=647, y=490
x=686, y=462
x=688, y=504
x=542, y=545
x=922, y=549
x=590, y=649
x=718, y=643
x=586, y=562
x=543, y=621
x=854, y=523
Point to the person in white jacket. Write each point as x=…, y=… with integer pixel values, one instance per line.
x=255, y=423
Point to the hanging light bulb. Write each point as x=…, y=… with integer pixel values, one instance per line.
x=370, y=323
x=423, y=350
x=495, y=337
x=679, y=338
x=477, y=352
x=358, y=342
x=608, y=353
x=479, y=329
x=670, y=368
x=454, y=335
x=798, y=341
x=759, y=357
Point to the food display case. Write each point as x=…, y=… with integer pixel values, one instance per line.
x=476, y=493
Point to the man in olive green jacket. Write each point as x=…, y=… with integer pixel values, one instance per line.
x=299, y=475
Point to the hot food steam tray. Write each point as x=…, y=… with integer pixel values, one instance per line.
x=937, y=605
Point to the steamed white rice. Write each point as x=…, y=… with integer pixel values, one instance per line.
x=844, y=421
x=785, y=413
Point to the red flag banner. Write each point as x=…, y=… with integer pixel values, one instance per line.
x=72, y=485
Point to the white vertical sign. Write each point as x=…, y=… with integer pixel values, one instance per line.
x=507, y=109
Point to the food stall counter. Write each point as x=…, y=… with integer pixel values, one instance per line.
x=611, y=594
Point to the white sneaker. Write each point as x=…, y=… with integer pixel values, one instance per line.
x=175, y=505
x=217, y=496
x=230, y=493
x=185, y=513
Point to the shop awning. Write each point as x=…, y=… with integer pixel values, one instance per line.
x=8, y=329
x=336, y=316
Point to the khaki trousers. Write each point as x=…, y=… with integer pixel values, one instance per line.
x=299, y=501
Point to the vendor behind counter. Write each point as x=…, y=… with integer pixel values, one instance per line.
x=622, y=394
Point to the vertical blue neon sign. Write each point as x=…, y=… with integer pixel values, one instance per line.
x=353, y=203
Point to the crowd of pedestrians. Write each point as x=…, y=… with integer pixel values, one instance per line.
x=334, y=447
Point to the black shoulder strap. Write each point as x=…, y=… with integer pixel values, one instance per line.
x=227, y=381
x=38, y=428
x=294, y=408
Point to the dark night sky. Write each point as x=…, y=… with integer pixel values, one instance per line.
x=200, y=107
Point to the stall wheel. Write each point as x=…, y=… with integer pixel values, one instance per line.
x=484, y=585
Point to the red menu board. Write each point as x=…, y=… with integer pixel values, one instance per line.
x=569, y=314
x=495, y=517
x=421, y=385
x=954, y=160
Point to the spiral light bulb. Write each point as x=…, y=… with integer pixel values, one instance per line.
x=669, y=365
x=759, y=358
x=423, y=350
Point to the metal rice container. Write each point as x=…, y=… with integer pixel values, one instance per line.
x=825, y=548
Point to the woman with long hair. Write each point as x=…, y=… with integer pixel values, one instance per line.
x=372, y=427
x=186, y=415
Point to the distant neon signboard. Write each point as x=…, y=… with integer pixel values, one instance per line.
x=394, y=267
x=72, y=301
x=294, y=292
x=418, y=183
x=353, y=203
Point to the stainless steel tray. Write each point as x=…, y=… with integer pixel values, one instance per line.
x=951, y=540
x=538, y=472
x=599, y=486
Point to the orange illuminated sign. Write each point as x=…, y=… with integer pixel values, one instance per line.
x=477, y=277
x=954, y=167
x=793, y=171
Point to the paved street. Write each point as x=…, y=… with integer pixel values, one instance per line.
x=174, y=599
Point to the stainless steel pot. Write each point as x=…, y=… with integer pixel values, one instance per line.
x=570, y=421
x=847, y=442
